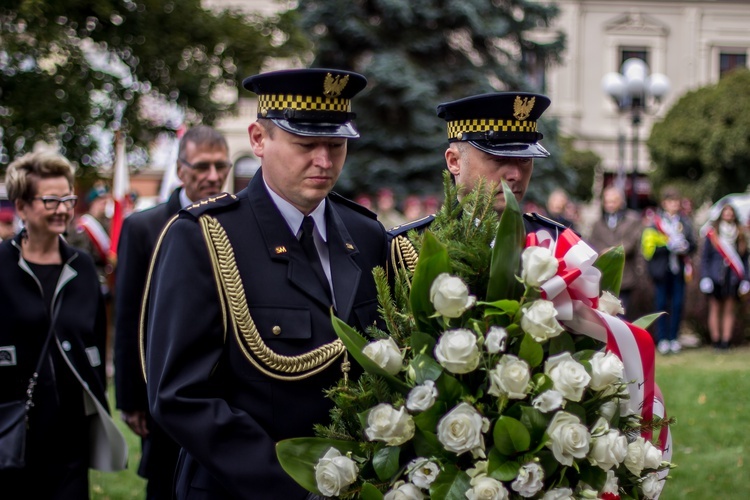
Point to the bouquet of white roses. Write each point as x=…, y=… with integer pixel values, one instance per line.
x=492, y=385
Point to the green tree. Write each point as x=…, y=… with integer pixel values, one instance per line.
x=417, y=54
x=72, y=71
x=703, y=142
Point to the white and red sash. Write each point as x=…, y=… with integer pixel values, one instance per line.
x=96, y=233
x=727, y=252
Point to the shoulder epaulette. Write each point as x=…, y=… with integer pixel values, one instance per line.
x=210, y=204
x=337, y=198
x=541, y=219
x=419, y=225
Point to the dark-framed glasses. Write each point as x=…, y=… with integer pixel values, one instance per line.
x=205, y=166
x=52, y=202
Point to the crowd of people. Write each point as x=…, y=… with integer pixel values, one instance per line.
x=222, y=302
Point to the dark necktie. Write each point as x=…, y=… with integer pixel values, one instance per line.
x=308, y=245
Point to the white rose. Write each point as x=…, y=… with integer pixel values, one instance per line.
x=548, y=401
x=568, y=375
x=568, y=438
x=405, y=491
x=385, y=423
x=450, y=296
x=457, y=351
x=608, y=450
x=559, y=494
x=486, y=488
x=652, y=485
x=539, y=265
x=606, y=369
x=422, y=472
x=642, y=455
x=510, y=378
x=422, y=397
x=608, y=408
x=610, y=304
x=495, y=340
x=385, y=353
x=538, y=320
x=334, y=473
x=529, y=480
x=652, y=457
x=611, y=485
x=460, y=430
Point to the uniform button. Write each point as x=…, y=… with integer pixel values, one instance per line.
x=66, y=345
x=276, y=330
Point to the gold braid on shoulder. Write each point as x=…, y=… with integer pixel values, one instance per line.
x=256, y=351
x=403, y=254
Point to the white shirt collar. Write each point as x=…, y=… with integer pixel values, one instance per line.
x=294, y=217
x=184, y=200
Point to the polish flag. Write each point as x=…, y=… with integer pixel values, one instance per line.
x=120, y=194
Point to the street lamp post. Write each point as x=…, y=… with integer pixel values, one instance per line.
x=634, y=90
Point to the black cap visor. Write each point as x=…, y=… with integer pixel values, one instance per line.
x=512, y=150
x=345, y=130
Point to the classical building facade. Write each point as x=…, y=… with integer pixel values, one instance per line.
x=691, y=42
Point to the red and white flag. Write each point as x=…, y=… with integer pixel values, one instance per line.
x=120, y=194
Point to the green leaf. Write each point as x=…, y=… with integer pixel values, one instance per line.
x=354, y=343
x=506, y=253
x=593, y=475
x=562, y=343
x=426, y=443
x=510, y=436
x=646, y=321
x=536, y=422
x=370, y=492
x=531, y=351
x=425, y=368
x=611, y=263
x=422, y=342
x=451, y=484
x=433, y=260
x=501, y=467
x=509, y=307
x=298, y=457
x=385, y=462
x=450, y=389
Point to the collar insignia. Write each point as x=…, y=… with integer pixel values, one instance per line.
x=522, y=107
x=349, y=246
x=280, y=250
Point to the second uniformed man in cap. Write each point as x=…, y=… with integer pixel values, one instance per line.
x=241, y=346
x=492, y=137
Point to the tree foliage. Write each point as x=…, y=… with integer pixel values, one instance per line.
x=417, y=54
x=703, y=142
x=73, y=71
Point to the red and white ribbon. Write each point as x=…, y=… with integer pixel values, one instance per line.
x=576, y=279
x=575, y=291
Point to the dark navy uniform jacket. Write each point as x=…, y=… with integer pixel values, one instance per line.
x=140, y=231
x=206, y=387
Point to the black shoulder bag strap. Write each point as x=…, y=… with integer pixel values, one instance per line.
x=42, y=355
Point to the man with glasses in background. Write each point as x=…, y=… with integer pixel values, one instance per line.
x=203, y=166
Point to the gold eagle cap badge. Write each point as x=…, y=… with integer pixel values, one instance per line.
x=522, y=107
x=334, y=85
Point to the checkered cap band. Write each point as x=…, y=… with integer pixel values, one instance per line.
x=457, y=127
x=268, y=102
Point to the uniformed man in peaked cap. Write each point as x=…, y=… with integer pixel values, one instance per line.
x=492, y=137
x=240, y=349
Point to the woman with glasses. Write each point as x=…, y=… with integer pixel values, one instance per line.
x=49, y=289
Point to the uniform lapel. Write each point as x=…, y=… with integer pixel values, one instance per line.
x=281, y=244
x=345, y=273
